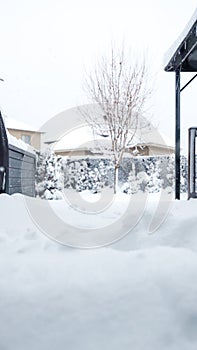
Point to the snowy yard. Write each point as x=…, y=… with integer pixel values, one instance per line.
x=138, y=293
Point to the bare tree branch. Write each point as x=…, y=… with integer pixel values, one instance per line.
x=120, y=89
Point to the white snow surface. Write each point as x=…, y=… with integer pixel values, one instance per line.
x=168, y=55
x=139, y=293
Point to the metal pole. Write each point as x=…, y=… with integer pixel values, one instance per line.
x=4, y=157
x=192, y=163
x=189, y=163
x=177, y=136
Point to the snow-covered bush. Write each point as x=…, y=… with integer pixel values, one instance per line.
x=87, y=174
x=151, y=174
x=142, y=182
x=184, y=174
x=136, y=181
x=155, y=182
x=49, y=176
x=147, y=174
x=142, y=179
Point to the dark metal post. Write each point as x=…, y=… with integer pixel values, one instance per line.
x=192, y=163
x=4, y=157
x=177, y=137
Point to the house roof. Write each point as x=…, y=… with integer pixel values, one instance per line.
x=14, y=124
x=83, y=139
x=154, y=138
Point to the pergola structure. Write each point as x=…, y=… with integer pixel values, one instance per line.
x=182, y=57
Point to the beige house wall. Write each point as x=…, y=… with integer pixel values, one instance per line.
x=76, y=153
x=35, y=140
x=146, y=151
x=159, y=151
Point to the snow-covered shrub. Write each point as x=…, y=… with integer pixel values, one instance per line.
x=142, y=179
x=49, y=176
x=154, y=183
x=132, y=184
x=86, y=174
x=184, y=174
x=148, y=174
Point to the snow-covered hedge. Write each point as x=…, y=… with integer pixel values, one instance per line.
x=148, y=174
x=88, y=174
x=151, y=174
x=49, y=176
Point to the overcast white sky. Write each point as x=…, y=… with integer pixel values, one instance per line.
x=46, y=45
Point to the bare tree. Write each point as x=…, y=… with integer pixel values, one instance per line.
x=120, y=89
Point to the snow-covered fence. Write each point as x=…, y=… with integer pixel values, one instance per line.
x=21, y=172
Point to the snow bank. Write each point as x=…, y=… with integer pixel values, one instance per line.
x=138, y=294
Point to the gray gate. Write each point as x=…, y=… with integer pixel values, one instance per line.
x=192, y=164
x=17, y=167
x=22, y=165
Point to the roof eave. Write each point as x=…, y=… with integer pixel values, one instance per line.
x=187, y=46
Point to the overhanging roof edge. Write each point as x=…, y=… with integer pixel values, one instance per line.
x=174, y=51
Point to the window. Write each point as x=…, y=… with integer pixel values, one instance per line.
x=26, y=138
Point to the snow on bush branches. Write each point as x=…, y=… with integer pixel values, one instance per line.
x=146, y=174
x=49, y=176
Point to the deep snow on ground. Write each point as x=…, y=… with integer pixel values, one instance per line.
x=138, y=293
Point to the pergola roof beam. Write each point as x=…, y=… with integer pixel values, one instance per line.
x=182, y=57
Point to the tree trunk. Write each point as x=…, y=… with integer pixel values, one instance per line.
x=115, y=179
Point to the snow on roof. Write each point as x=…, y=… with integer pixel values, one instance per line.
x=11, y=123
x=83, y=138
x=19, y=143
x=168, y=55
x=153, y=137
x=75, y=139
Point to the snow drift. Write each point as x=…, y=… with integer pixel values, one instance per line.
x=139, y=293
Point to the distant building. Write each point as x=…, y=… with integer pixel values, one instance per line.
x=82, y=143
x=153, y=143
x=24, y=132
